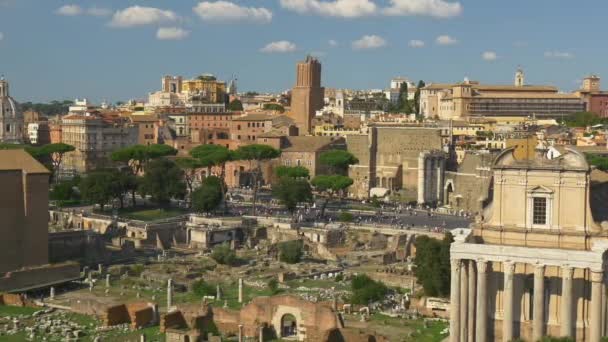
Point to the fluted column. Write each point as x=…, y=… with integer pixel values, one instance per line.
x=455, y=301
x=464, y=301
x=566, y=323
x=471, y=304
x=507, y=317
x=482, y=301
x=539, y=303
x=595, y=309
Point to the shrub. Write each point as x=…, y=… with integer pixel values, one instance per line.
x=273, y=285
x=366, y=290
x=224, y=255
x=202, y=288
x=291, y=251
x=137, y=269
x=339, y=277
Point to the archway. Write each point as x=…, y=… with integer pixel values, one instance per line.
x=289, y=326
x=448, y=195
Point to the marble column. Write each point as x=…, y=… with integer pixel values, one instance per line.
x=471, y=304
x=566, y=323
x=507, y=305
x=482, y=302
x=464, y=301
x=169, y=294
x=455, y=301
x=595, y=308
x=539, y=303
x=240, y=290
x=241, y=337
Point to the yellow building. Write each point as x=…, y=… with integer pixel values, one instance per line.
x=206, y=86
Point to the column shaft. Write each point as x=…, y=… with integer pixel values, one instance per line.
x=455, y=301
x=566, y=323
x=595, y=308
x=464, y=301
x=507, y=318
x=471, y=304
x=539, y=303
x=482, y=302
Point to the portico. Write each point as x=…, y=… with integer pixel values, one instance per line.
x=478, y=260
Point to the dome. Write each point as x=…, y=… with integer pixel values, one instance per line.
x=11, y=118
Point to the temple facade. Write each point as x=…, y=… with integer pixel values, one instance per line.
x=534, y=264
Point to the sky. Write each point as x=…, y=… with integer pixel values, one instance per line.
x=116, y=50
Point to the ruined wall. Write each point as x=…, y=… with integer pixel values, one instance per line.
x=352, y=335
x=11, y=299
x=140, y=314
x=115, y=315
x=172, y=320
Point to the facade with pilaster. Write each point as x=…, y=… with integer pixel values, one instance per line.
x=534, y=263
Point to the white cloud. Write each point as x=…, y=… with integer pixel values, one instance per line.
x=138, y=16
x=332, y=42
x=489, y=56
x=432, y=8
x=415, y=43
x=99, y=11
x=281, y=46
x=334, y=8
x=228, y=11
x=559, y=54
x=69, y=10
x=369, y=42
x=446, y=40
x=171, y=33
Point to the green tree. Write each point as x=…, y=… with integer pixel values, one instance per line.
x=337, y=161
x=96, y=188
x=163, y=180
x=65, y=192
x=56, y=152
x=224, y=255
x=366, y=290
x=273, y=285
x=291, y=191
x=432, y=265
x=138, y=156
x=52, y=108
x=214, y=156
x=345, y=217
x=235, y=105
x=274, y=106
x=291, y=252
x=256, y=154
x=402, y=102
x=202, y=288
x=208, y=196
x=421, y=85
x=123, y=182
x=561, y=339
x=584, y=119
x=331, y=186
x=601, y=163
x=291, y=171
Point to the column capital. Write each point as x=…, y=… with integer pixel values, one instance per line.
x=509, y=267
x=567, y=272
x=597, y=276
x=539, y=270
x=455, y=263
x=482, y=266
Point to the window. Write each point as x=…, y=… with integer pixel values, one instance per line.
x=539, y=210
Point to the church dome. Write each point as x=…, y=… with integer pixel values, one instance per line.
x=11, y=118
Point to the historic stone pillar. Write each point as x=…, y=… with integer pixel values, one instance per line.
x=108, y=280
x=240, y=290
x=218, y=292
x=455, y=301
x=539, y=303
x=471, y=304
x=507, y=317
x=595, y=309
x=421, y=171
x=169, y=294
x=464, y=300
x=566, y=323
x=52, y=295
x=482, y=301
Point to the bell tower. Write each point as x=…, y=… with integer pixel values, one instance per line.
x=519, y=77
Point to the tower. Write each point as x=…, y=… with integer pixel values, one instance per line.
x=519, y=78
x=11, y=118
x=307, y=94
x=591, y=83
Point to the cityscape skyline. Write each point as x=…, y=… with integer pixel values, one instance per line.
x=253, y=39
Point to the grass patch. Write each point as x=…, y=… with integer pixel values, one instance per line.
x=148, y=213
x=6, y=310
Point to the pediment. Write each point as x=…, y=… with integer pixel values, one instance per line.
x=540, y=190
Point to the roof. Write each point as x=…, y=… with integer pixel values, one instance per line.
x=309, y=143
x=18, y=159
x=143, y=118
x=255, y=117
x=275, y=133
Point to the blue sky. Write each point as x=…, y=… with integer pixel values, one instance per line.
x=51, y=49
